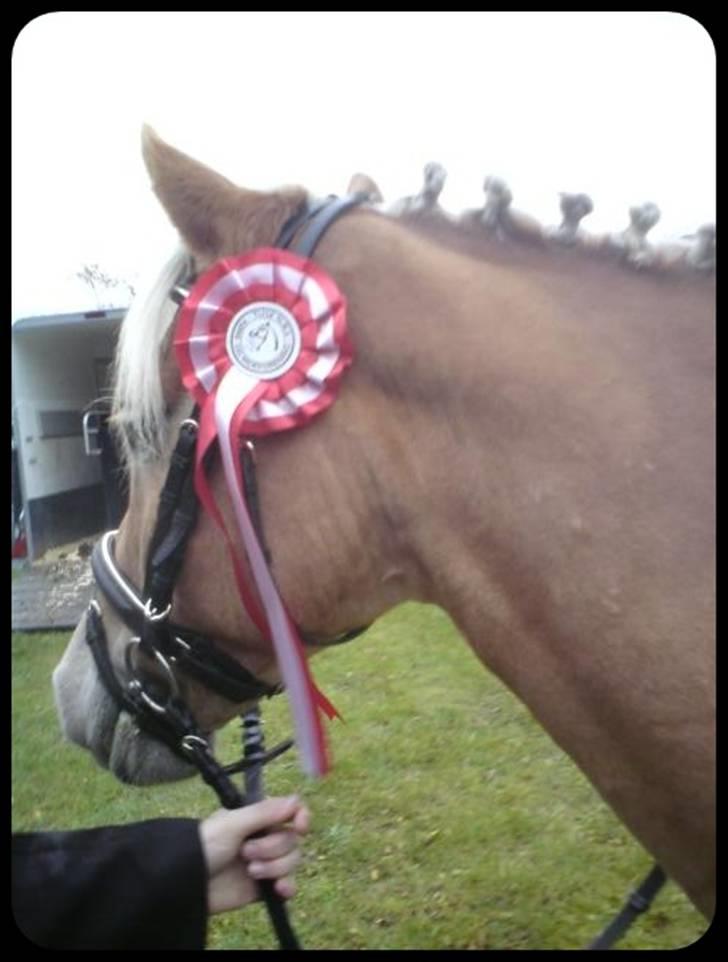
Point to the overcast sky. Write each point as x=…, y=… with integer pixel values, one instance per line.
x=621, y=106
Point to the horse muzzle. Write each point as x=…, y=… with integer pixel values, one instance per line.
x=90, y=717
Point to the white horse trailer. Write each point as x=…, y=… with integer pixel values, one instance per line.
x=69, y=485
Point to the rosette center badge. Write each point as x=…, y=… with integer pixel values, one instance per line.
x=264, y=340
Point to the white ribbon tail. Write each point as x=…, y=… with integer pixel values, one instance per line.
x=234, y=388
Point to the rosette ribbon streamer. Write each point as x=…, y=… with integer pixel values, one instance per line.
x=261, y=344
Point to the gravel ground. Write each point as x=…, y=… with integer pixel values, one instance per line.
x=53, y=592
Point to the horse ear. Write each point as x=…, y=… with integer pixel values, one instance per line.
x=362, y=182
x=208, y=210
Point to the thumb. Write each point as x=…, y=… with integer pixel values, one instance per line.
x=267, y=813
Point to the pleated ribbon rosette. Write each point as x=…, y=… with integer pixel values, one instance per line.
x=261, y=344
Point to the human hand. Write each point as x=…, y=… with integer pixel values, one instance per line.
x=234, y=860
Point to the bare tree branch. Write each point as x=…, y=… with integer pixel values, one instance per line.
x=98, y=281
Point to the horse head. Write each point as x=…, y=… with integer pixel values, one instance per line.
x=314, y=502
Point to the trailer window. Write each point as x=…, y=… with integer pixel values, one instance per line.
x=60, y=424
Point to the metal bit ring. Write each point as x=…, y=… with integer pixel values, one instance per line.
x=136, y=682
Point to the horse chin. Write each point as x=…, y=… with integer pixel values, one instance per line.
x=118, y=745
x=137, y=759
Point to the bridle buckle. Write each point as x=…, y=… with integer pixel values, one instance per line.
x=152, y=615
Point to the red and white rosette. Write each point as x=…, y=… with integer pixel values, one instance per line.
x=261, y=344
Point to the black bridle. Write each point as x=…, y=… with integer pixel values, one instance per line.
x=155, y=703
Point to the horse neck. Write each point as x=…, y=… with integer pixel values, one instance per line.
x=433, y=349
x=511, y=415
x=541, y=440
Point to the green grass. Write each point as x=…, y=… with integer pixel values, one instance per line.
x=449, y=821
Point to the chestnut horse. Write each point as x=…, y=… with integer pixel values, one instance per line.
x=527, y=442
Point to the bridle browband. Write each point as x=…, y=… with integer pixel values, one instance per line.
x=147, y=613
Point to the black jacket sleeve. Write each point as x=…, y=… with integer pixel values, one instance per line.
x=138, y=886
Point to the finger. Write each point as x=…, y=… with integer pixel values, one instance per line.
x=285, y=887
x=270, y=846
x=265, y=814
x=302, y=820
x=275, y=868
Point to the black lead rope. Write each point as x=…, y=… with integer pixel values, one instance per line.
x=637, y=903
x=254, y=754
x=230, y=797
